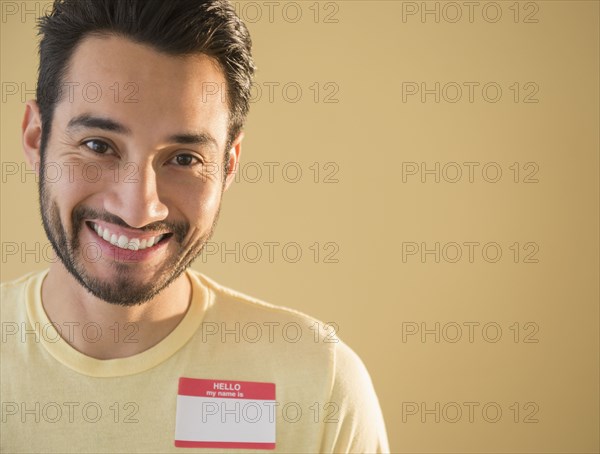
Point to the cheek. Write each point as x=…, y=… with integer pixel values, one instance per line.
x=66, y=184
x=201, y=205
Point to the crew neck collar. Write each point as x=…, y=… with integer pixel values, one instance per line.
x=60, y=349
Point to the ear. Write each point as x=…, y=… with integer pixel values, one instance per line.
x=234, y=159
x=32, y=134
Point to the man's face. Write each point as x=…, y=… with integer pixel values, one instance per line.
x=139, y=140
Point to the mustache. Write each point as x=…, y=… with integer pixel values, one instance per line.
x=179, y=229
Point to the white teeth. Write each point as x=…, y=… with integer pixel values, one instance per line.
x=121, y=241
x=134, y=244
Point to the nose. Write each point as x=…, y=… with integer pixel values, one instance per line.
x=135, y=198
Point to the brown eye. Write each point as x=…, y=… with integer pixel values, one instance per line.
x=185, y=160
x=97, y=146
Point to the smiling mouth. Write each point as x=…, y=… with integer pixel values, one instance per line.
x=127, y=243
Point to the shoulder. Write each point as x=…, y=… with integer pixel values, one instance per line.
x=361, y=427
x=14, y=298
x=18, y=282
x=268, y=342
x=250, y=302
x=235, y=306
x=15, y=291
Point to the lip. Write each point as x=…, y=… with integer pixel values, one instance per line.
x=115, y=253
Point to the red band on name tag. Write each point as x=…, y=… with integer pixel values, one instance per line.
x=223, y=445
x=226, y=389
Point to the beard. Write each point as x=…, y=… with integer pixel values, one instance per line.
x=123, y=289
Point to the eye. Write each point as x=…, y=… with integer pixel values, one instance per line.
x=185, y=160
x=97, y=146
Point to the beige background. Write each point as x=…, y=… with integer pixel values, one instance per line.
x=372, y=294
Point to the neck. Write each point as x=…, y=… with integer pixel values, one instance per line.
x=108, y=331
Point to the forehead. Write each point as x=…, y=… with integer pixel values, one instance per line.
x=141, y=87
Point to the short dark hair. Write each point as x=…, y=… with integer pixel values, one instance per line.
x=175, y=27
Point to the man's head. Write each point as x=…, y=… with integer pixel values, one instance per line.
x=174, y=27
x=138, y=129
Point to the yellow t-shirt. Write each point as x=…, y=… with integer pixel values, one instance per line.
x=56, y=399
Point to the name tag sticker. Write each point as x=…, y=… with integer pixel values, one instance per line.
x=225, y=414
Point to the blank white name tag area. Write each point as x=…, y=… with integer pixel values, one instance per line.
x=225, y=414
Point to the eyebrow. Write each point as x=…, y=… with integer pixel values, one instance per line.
x=106, y=124
x=89, y=121
x=193, y=139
